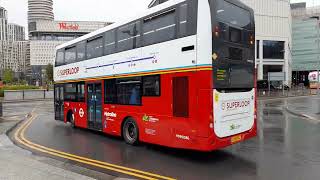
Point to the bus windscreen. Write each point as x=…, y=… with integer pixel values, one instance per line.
x=233, y=45
x=233, y=15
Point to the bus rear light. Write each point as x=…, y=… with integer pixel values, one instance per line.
x=251, y=39
x=216, y=31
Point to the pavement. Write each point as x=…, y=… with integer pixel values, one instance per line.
x=307, y=107
x=17, y=163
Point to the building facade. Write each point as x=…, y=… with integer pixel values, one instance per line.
x=46, y=35
x=14, y=55
x=3, y=24
x=16, y=32
x=306, y=38
x=273, y=37
x=40, y=10
x=12, y=46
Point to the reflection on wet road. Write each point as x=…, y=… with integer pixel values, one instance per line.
x=288, y=147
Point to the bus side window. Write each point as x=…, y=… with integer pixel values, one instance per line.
x=70, y=92
x=109, y=42
x=70, y=55
x=94, y=48
x=129, y=36
x=159, y=28
x=81, y=51
x=80, y=92
x=183, y=20
x=60, y=57
x=151, y=85
x=110, y=90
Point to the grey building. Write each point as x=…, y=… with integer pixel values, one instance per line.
x=40, y=10
x=16, y=32
x=3, y=24
x=12, y=45
x=45, y=34
x=305, y=38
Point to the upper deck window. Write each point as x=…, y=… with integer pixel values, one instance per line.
x=70, y=55
x=81, y=51
x=60, y=58
x=159, y=28
x=129, y=36
x=232, y=14
x=95, y=48
x=110, y=44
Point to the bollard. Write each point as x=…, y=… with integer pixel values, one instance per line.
x=1, y=108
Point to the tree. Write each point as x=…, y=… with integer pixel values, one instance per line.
x=49, y=73
x=8, y=76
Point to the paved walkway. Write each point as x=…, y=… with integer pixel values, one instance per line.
x=311, y=111
x=17, y=163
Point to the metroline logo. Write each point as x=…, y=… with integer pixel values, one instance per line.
x=69, y=71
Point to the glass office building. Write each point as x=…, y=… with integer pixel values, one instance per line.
x=305, y=36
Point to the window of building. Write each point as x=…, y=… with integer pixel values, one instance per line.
x=81, y=51
x=95, y=48
x=129, y=36
x=70, y=55
x=159, y=28
x=110, y=42
x=273, y=49
x=60, y=58
x=151, y=85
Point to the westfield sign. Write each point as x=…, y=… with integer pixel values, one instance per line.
x=66, y=26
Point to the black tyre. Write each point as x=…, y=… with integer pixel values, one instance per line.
x=71, y=120
x=130, y=132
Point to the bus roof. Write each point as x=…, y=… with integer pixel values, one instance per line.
x=118, y=24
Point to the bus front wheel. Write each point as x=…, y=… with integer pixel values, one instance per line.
x=130, y=132
x=71, y=119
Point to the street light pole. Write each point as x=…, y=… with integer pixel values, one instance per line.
x=318, y=32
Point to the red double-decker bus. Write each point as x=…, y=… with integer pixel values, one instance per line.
x=181, y=75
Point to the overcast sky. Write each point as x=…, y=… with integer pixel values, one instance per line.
x=91, y=10
x=81, y=10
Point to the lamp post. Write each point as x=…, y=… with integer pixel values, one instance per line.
x=318, y=43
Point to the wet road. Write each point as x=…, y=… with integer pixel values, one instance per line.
x=288, y=147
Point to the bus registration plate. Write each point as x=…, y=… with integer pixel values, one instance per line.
x=236, y=139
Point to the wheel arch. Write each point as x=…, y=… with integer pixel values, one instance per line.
x=122, y=124
x=69, y=114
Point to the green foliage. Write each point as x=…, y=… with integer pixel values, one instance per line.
x=8, y=76
x=49, y=73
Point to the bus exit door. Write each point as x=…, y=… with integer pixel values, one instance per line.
x=58, y=102
x=94, y=101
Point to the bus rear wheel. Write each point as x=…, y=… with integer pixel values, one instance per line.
x=130, y=132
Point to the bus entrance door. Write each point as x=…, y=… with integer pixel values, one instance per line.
x=94, y=101
x=58, y=102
